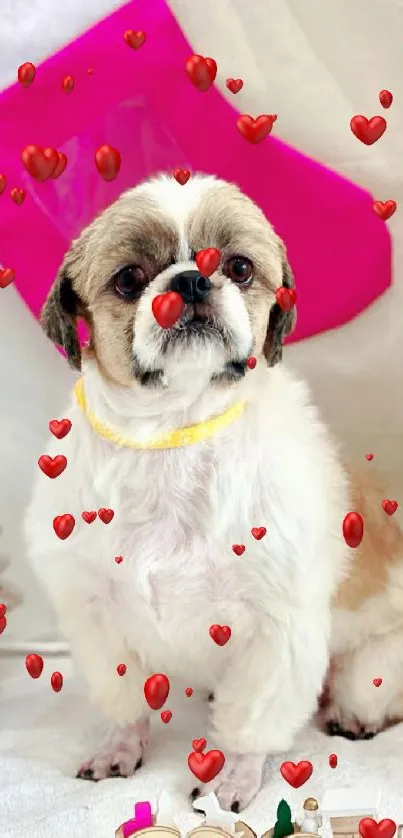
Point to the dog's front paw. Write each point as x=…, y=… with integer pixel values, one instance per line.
x=237, y=783
x=120, y=755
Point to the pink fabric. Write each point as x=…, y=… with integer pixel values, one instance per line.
x=143, y=103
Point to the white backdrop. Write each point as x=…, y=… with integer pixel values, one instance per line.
x=315, y=63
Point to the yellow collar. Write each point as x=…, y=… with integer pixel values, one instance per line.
x=175, y=439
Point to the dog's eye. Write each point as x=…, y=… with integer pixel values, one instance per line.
x=129, y=282
x=239, y=269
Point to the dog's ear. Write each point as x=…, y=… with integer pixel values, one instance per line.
x=281, y=323
x=59, y=316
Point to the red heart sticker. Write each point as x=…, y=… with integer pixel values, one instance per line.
x=3, y=609
x=255, y=130
x=68, y=84
x=34, y=665
x=189, y=691
x=89, y=517
x=39, y=162
x=206, y=766
x=220, y=634
x=56, y=681
x=384, y=209
x=286, y=298
x=167, y=308
x=52, y=466
x=156, y=691
x=234, y=85
x=377, y=682
x=208, y=260
x=368, y=130
x=166, y=716
x=201, y=71
x=18, y=195
x=199, y=745
x=386, y=98
x=106, y=515
x=3, y=183
x=389, y=506
x=60, y=429
x=333, y=760
x=118, y=559
x=181, y=176
x=108, y=161
x=121, y=669
x=369, y=457
x=368, y=828
x=6, y=277
x=258, y=532
x=296, y=774
x=63, y=526
x=353, y=529
x=251, y=362
x=26, y=74
x=3, y=624
x=238, y=549
x=60, y=165
x=135, y=40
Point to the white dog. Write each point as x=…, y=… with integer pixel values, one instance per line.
x=255, y=454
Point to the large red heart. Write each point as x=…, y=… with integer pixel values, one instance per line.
x=368, y=828
x=220, y=634
x=208, y=260
x=63, y=526
x=258, y=532
x=167, y=308
x=353, y=529
x=255, y=130
x=234, y=85
x=286, y=298
x=201, y=71
x=34, y=665
x=39, y=163
x=368, y=130
x=389, y=506
x=206, y=766
x=134, y=39
x=52, y=466
x=108, y=161
x=181, y=176
x=156, y=690
x=384, y=209
x=60, y=429
x=199, y=745
x=296, y=774
x=105, y=515
x=6, y=277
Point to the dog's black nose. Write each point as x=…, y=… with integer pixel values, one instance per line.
x=192, y=286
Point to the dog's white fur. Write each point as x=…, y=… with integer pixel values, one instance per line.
x=177, y=514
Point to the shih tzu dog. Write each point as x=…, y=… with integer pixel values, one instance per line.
x=197, y=454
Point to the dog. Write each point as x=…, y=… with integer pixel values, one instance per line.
x=196, y=453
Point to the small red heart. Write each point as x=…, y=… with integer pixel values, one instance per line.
x=89, y=517
x=34, y=665
x=26, y=74
x=386, y=98
x=3, y=183
x=201, y=71
x=60, y=166
x=3, y=624
x=89, y=71
x=156, y=691
x=286, y=298
x=296, y=774
x=368, y=130
x=166, y=716
x=384, y=209
x=181, y=175
x=258, y=532
x=368, y=828
x=255, y=130
x=206, y=766
x=389, y=506
x=353, y=529
x=220, y=634
x=199, y=745
x=39, y=162
x=251, y=362
x=52, y=466
x=63, y=526
x=369, y=457
x=56, y=681
x=68, y=84
x=3, y=609
x=134, y=39
x=189, y=691
x=118, y=559
x=121, y=669
x=108, y=161
x=6, y=277
x=60, y=429
x=208, y=260
x=234, y=85
x=167, y=308
x=18, y=195
x=333, y=760
x=105, y=515
x=238, y=549
x=377, y=682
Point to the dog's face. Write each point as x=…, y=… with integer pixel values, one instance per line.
x=144, y=245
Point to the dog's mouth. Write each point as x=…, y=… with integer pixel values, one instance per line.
x=198, y=320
